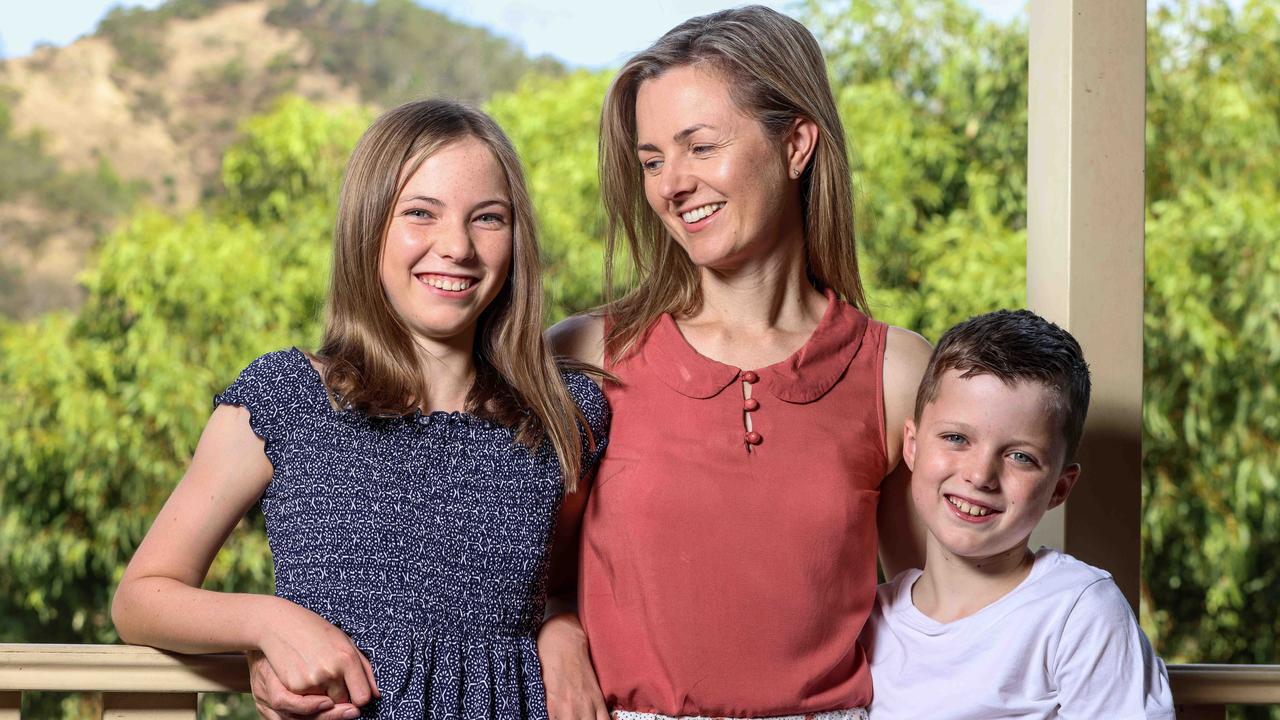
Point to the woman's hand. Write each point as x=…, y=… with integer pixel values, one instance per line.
x=573, y=693
x=304, y=662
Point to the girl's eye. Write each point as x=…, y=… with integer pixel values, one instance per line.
x=418, y=213
x=491, y=219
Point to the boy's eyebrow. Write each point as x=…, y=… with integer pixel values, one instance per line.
x=678, y=137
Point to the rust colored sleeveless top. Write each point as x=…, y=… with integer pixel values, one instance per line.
x=730, y=575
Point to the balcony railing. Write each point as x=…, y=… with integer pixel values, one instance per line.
x=138, y=682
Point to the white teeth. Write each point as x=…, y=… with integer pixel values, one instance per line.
x=697, y=214
x=968, y=509
x=452, y=284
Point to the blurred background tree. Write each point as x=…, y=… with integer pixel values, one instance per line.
x=104, y=402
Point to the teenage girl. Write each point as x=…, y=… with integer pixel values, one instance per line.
x=410, y=470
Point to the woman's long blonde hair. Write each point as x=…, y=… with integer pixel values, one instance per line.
x=776, y=73
x=371, y=362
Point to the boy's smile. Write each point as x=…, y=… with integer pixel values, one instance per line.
x=987, y=462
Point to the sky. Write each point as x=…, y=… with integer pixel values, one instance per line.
x=569, y=30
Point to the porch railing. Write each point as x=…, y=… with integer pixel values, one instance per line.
x=138, y=682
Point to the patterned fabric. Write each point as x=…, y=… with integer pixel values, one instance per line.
x=423, y=538
x=849, y=714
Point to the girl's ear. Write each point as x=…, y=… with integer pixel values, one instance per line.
x=909, y=444
x=1062, y=487
x=801, y=142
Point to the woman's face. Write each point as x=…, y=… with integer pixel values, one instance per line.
x=720, y=185
x=448, y=247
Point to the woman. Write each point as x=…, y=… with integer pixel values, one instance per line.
x=728, y=546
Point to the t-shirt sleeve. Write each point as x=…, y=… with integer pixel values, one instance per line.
x=1105, y=666
x=263, y=389
x=591, y=401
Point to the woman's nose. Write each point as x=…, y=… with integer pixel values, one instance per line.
x=676, y=181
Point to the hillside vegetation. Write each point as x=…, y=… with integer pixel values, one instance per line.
x=143, y=109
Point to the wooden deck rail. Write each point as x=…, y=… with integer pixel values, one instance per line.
x=139, y=682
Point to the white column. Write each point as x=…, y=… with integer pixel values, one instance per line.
x=1087, y=103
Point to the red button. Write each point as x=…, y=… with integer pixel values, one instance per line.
x=754, y=438
x=751, y=405
x=750, y=377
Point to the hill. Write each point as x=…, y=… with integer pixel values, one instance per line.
x=142, y=110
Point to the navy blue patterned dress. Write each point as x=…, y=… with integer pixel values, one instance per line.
x=423, y=538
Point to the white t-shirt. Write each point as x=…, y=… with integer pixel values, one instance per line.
x=1063, y=644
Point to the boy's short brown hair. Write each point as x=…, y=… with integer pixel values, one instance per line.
x=1015, y=346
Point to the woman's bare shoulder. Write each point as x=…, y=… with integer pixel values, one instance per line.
x=906, y=354
x=580, y=337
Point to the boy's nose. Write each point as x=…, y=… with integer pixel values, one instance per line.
x=983, y=474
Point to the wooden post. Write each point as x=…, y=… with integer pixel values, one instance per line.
x=1086, y=110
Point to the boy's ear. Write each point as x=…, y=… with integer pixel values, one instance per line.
x=909, y=444
x=1062, y=488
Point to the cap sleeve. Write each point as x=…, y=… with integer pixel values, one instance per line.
x=269, y=388
x=591, y=401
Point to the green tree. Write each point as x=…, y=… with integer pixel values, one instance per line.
x=554, y=124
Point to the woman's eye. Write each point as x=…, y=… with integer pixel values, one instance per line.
x=651, y=165
x=418, y=213
x=491, y=219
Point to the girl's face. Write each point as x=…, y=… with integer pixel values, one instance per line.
x=449, y=245
x=719, y=184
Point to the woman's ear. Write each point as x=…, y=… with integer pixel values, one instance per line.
x=801, y=142
x=909, y=444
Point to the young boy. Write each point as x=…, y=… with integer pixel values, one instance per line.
x=990, y=629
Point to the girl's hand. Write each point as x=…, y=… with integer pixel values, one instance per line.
x=276, y=702
x=573, y=693
x=308, y=656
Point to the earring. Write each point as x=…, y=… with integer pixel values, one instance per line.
x=795, y=172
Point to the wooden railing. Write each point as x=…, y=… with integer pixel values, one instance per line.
x=135, y=682
x=138, y=682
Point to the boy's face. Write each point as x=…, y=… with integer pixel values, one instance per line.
x=987, y=462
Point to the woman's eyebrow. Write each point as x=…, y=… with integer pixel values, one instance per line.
x=678, y=137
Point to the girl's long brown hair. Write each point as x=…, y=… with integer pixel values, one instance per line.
x=776, y=73
x=371, y=364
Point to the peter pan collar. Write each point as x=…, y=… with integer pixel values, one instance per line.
x=803, y=377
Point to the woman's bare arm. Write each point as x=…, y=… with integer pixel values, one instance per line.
x=573, y=692
x=901, y=533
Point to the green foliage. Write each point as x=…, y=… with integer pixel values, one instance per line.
x=288, y=157
x=554, y=124
x=103, y=409
x=1212, y=332
x=933, y=99
x=396, y=50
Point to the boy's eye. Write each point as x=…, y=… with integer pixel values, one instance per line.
x=1022, y=458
